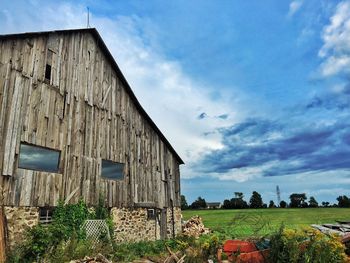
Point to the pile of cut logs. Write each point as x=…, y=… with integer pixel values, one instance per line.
x=194, y=227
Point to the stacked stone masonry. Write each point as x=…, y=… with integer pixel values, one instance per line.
x=177, y=221
x=18, y=220
x=131, y=225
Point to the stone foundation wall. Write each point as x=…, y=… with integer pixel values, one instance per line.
x=18, y=220
x=177, y=221
x=132, y=225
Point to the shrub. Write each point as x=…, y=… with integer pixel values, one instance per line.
x=306, y=245
x=64, y=232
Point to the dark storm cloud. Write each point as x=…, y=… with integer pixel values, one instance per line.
x=339, y=100
x=223, y=116
x=315, y=103
x=202, y=116
x=346, y=138
x=308, y=147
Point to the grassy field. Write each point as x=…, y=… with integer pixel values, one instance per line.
x=259, y=222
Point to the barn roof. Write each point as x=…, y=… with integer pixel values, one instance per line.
x=115, y=66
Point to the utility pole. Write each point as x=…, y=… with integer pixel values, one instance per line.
x=278, y=195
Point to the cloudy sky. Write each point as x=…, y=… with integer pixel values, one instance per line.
x=251, y=94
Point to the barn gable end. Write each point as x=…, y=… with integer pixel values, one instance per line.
x=63, y=98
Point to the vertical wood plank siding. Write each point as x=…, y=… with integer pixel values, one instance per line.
x=85, y=112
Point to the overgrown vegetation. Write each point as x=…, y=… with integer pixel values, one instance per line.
x=63, y=237
x=64, y=240
x=196, y=250
x=244, y=225
x=305, y=246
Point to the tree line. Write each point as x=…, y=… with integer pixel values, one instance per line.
x=296, y=200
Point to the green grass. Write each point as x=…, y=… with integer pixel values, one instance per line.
x=260, y=222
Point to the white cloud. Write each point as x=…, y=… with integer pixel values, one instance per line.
x=306, y=34
x=244, y=174
x=294, y=6
x=334, y=65
x=168, y=94
x=336, y=42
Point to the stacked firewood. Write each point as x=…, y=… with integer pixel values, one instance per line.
x=194, y=227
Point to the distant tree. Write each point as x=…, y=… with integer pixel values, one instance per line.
x=239, y=195
x=226, y=204
x=264, y=205
x=304, y=205
x=313, y=202
x=272, y=204
x=343, y=201
x=325, y=204
x=199, y=203
x=184, y=204
x=283, y=204
x=298, y=200
x=255, y=200
x=236, y=202
x=244, y=204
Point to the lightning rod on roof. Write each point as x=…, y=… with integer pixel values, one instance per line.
x=88, y=17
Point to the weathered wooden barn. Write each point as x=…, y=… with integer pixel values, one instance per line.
x=71, y=128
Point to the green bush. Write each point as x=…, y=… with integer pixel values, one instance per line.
x=306, y=246
x=64, y=235
x=126, y=252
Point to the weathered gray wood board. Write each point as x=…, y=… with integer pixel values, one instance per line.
x=84, y=111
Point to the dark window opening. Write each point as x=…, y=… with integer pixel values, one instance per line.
x=112, y=170
x=64, y=104
x=45, y=215
x=48, y=72
x=38, y=158
x=48, y=64
x=151, y=214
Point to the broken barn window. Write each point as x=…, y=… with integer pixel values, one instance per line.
x=38, y=158
x=48, y=65
x=45, y=215
x=112, y=170
x=151, y=214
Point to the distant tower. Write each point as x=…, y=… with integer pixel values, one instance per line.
x=278, y=195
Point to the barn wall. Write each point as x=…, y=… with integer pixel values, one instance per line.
x=85, y=112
